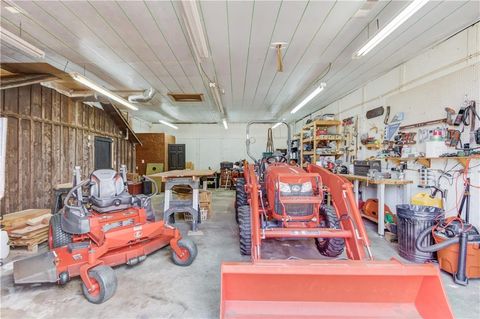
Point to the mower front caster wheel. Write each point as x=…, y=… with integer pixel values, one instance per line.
x=104, y=284
x=189, y=252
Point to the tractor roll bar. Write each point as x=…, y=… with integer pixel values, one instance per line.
x=289, y=137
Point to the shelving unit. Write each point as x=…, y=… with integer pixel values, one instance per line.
x=295, y=148
x=427, y=161
x=308, y=137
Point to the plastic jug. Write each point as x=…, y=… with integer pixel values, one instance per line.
x=424, y=199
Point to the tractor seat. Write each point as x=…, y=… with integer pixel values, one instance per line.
x=107, y=191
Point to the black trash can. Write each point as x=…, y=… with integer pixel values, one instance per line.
x=411, y=221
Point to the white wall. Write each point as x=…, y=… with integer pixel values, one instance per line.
x=422, y=87
x=209, y=144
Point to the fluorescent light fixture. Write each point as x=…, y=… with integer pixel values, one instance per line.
x=12, y=9
x=168, y=124
x=225, y=125
x=391, y=26
x=277, y=125
x=308, y=98
x=193, y=24
x=80, y=78
x=216, y=96
x=17, y=42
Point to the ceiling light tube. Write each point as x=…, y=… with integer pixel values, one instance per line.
x=225, y=125
x=193, y=24
x=309, y=98
x=17, y=42
x=168, y=124
x=276, y=125
x=391, y=26
x=80, y=78
x=216, y=97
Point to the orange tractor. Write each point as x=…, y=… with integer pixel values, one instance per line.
x=279, y=200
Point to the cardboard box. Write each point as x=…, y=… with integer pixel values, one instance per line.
x=133, y=177
x=205, y=196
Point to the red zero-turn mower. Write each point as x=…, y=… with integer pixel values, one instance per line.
x=93, y=233
x=279, y=200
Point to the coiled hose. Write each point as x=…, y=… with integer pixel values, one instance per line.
x=443, y=244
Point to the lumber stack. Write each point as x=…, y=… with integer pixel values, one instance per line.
x=27, y=228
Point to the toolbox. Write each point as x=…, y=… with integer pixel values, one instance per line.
x=362, y=167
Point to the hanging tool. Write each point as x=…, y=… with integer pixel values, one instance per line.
x=376, y=112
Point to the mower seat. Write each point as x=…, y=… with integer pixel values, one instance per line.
x=108, y=192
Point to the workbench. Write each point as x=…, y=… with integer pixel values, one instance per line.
x=356, y=179
x=182, y=177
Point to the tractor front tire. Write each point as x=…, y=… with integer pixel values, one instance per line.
x=330, y=247
x=190, y=253
x=105, y=281
x=240, y=196
x=57, y=237
x=245, y=230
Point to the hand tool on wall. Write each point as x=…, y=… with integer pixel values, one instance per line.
x=376, y=112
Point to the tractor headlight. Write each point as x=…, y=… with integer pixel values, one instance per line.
x=285, y=188
x=306, y=187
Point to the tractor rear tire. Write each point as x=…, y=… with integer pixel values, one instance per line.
x=245, y=230
x=58, y=238
x=105, y=278
x=330, y=247
x=240, y=196
x=190, y=250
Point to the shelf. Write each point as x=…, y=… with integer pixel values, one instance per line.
x=307, y=140
x=427, y=161
x=372, y=146
x=329, y=137
x=322, y=123
x=332, y=154
x=307, y=153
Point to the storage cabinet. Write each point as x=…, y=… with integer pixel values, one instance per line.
x=154, y=149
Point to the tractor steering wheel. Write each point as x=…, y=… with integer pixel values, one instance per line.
x=276, y=159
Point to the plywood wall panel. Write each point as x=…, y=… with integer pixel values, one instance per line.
x=48, y=135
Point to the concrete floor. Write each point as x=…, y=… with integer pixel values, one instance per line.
x=159, y=289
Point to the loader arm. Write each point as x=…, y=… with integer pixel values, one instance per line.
x=341, y=192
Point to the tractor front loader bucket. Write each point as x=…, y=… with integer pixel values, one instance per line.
x=332, y=289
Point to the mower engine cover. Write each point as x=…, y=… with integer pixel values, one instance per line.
x=284, y=180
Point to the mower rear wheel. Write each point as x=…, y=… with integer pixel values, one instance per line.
x=330, y=247
x=245, y=230
x=57, y=237
x=104, y=282
x=189, y=250
x=240, y=196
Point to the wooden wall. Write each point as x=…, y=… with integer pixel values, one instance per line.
x=48, y=134
x=154, y=149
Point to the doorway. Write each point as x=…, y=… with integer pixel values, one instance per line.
x=176, y=156
x=103, y=152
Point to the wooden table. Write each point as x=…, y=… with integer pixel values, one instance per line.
x=380, y=193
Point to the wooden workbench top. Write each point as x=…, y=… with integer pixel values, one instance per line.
x=183, y=173
x=351, y=177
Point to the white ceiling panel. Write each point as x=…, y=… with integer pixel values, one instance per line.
x=143, y=44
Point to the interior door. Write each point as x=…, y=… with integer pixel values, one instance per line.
x=103, y=152
x=176, y=156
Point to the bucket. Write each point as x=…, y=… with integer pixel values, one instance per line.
x=448, y=258
x=332, y=289
x=411, y=221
